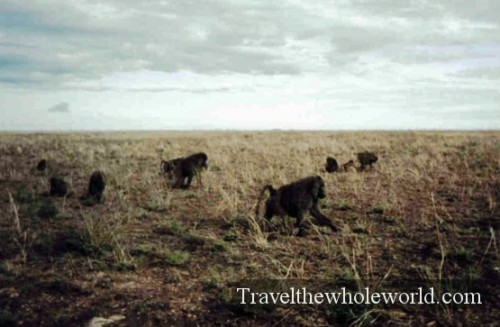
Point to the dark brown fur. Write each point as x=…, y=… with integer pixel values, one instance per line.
x=367, y=159
x=180, y=171
x=42, y=165
x=58, y=186
x=331, y=165
x=296, y=199
x=97, y=184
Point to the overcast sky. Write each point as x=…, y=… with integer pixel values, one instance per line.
x=249, y=64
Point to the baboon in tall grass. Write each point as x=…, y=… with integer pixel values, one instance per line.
x=179, y=172
x=97, y=184
x=366, y=159
x=58, y=186
x=295, y=200
x=42, y=165
x=331, y=165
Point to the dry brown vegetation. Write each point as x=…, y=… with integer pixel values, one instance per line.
x=429, y=208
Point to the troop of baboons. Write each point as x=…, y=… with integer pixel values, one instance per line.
x=365, y=159
x=59, y=187
x=294, y=199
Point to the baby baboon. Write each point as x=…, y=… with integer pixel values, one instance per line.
x=42, y=165
x=177, y=170
x=295, y=199
x=348, y=166
x=367, y=159
x=331, y=165
x=58, y=186
x=97, y=184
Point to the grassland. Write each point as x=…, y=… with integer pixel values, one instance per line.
x=428, y=210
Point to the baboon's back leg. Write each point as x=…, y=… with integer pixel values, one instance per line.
x=186, y=183
x=179, y=181
x=189, y=180
x=321, y=219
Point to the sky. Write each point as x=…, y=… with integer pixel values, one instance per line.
x=249, y=64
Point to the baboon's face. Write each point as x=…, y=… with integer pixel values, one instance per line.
x=321, y=188
x=203, y=162
x=269, y=208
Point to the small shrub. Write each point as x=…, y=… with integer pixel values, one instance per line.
x=344, y=206
x=379, y=209
x=230, y=236
x=47, y=209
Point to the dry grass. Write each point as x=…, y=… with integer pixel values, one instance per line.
x=429, y=207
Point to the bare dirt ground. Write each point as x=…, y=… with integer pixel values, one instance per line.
x=428, y=211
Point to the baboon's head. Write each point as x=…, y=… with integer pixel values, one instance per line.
x=269, y=208
x=270, y=202
x=318, y=188
x=203, y=160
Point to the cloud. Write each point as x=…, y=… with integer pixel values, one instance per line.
x=334, y=56
x=62, y=107
x=40, y=47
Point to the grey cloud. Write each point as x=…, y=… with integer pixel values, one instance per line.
x=62, y=107
x=44, y=48
x=195, y=36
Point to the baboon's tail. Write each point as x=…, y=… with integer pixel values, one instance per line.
x=269, y=188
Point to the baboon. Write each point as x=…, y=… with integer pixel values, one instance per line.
x=331, y=165
x=58, y=186
x=347, y=166
x=367, y=159
x=295, y=199
x=42, y=165
x=178, y=170
x=97, y=184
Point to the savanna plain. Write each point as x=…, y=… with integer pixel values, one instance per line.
x=148, y=255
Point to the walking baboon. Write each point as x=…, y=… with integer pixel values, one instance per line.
x=331, y=165
x=348, y=166
x=97, y=184
x=295, y=199
x=178, y=170
x=58, y=186
x=42, y=165
x=367, y=159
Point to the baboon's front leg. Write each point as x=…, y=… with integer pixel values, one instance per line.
x=198, y=178
x=321, y=219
